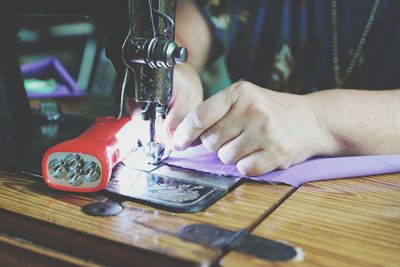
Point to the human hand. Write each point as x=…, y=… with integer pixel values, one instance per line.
x=187, y=94
x=257, y=129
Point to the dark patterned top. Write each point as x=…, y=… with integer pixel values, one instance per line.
x=286, y=45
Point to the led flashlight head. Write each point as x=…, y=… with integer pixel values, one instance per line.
x=84, y=164
x=73, y=169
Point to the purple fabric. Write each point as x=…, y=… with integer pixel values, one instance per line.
x=52, y=68
x=198, y=158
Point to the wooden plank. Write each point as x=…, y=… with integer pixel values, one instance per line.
x=81, y=245
x=15, y=257
x=348, y=222
x=26, y=201
x=16, y=247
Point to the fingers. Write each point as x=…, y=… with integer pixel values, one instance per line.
x=225, y=130
x=201, y=118
x=238, y=148
x=257, y=163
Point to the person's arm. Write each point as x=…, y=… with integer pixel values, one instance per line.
x=361, y=122
x=261, y=130
x=192, y=32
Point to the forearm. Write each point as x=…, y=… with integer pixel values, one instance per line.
x=193, y=32
x=358, y=122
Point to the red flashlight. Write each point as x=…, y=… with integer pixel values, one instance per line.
x=84, y=164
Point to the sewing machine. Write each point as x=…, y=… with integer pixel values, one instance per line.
x=146, y=58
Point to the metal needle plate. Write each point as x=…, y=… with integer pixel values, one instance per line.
x=168, y=187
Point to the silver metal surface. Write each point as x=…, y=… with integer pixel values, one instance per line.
x=162, y=191
x=152, y=153
x=156, y=152
x=138, y=161
x=74, y=169
x=170, y=187
x=156, y=188
x=196, y=177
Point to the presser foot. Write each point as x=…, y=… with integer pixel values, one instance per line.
x=154, y=152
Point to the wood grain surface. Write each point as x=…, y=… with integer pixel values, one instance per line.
x=140, y=234
x=348, y=222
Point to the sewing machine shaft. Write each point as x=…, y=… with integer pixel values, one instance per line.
x=150, y=53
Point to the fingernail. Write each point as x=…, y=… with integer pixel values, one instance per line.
x=177, y=146
x=178, y=142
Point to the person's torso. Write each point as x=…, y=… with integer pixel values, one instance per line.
x=288, y=45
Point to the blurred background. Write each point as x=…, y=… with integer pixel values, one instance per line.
x=79, y=46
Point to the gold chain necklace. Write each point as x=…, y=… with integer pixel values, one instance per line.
x=340, y=81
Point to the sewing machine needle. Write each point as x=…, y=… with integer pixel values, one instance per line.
x=152, y=128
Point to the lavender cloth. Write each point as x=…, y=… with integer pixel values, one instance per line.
x=198, y=158
x=51, y=67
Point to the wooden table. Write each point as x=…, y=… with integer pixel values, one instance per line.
x=349, y=222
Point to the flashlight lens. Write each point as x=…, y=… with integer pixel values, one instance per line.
x=91, y=171
x=74, y=170
x=76, y=180
x=57, y=169
x=74, y=161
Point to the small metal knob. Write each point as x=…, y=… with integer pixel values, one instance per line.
x=156, y=53
x=180, y=55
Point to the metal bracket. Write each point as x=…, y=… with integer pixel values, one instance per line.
x=241, y=241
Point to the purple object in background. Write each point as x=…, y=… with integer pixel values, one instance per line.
x=315, y=169
x=52, y=68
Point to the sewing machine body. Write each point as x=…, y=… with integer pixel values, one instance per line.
x=26, y=134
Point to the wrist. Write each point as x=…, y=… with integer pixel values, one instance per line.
x=327, y=143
